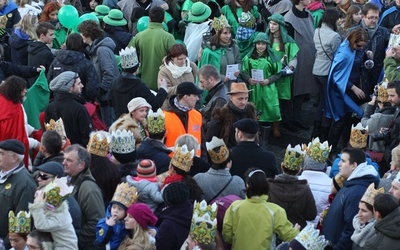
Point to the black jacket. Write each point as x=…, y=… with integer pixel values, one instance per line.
x=120, y=37
x=19, y=47
x=216, y=98
x=39, y=55
x=8, y=69
x=155, y=151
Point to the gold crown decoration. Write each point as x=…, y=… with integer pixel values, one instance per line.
x=129, y=58
x=20, y=223
x=204, y=222
x=57, y=126
x=358, y=136
x=156, y=121
x=122, y=141
x=99, y=143
x=339, y=179
x=183, y=159
x=382, y=92
x=125, y=194
x=223, y=153
x=56, y=192
x=220, y=23
x=370, y=194
x=310, y=239
x=318, y=151
x=294, y=157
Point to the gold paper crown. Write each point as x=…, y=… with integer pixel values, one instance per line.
x=125, y=194
x=20, y=223
x=220, y=23
x=156, y=121
x=122, y=141
x=99, y=143
x=370, y=194
x=382, y=92
x=57, y=191
x=223, y=153
x=310, y=239
x=57, y=126
x=128, y=57
x=183, y=159
x=294, y=157
x=358, y=136
x=339, y=179
x=204, y=222
x=318, y=151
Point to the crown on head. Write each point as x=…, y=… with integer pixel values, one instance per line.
x=382, y=92
x=247, y=20
x=370, y=194
x=204, y=222
x=129, y=58
x=56, y=192
x=358, y=136
x=223, y=153
x=156, y=121
x=99, y=143
x=318, y=151
x=58, y=126
x=310, y=239
x=125, y=194
x=122, y=141
x=294, y=157
x=220, y=23
x=20, y=223
x=183, y=158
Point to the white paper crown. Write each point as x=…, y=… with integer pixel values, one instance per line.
x=122, y=141
x=204, y=222
x=57, y=191
x=310, y=239
x=20, y=223
x=318, y=151
x=294, y=157
x=156, y=121
x=223, y=153
x=57, y=126
x=128, y=57
x=359, y=136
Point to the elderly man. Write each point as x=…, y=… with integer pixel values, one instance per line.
x=17, y=187
x=395, y=187
x=86, y=192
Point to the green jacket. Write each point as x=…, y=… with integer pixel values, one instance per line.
x=390, y=67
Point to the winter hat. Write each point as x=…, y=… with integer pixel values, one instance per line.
x=261, y=37
x=146, y=169
x=115, y=18
x=199, y=12
x=247, y=125
x=247, y=20
x=188, y=88
x=63, y=82
x=53, y=168
x=175, y=193
x=136, y=103
x=311, y=164
x=142, y=214
x=13, y=145
x=278, y=18
x=101, y=11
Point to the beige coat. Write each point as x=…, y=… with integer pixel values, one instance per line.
x=173, y=82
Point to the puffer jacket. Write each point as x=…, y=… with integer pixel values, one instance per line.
x=19, y=42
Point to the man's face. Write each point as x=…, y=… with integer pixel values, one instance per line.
x=48, y=38
x=371, y=19
x=8, y=159
x=204, y=83
x=72, y=164
x=345, y=167
x=77, y=87
x=395, y=189
x=190, y=100
x=393, y=97
x=240, y=100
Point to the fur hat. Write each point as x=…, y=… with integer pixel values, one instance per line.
x=63, y=82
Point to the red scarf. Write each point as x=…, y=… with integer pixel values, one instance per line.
x=315, y=6
x=171, y=179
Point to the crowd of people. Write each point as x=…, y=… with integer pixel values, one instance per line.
x=142, y=124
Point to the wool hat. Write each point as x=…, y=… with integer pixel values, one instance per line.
x=101, y=11
x=13, y=145
x=278, y=18
x=146, y=169
x=63, y=82
x=188, y=88
x=311, y=164
x=115, y=18
x=199, y=12
x=247, y=20
x=247, y=125
x=136, y=103
x=142, y=214
x=238, y=87
x=175, y=193
x=261, y=37
x=53, y=168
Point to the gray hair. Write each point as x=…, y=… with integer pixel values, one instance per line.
x=191, y=142
x=83, y=154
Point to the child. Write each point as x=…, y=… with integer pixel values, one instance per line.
x=353, y=18
x=111, y=230
x=50, y=214
x=147, y=184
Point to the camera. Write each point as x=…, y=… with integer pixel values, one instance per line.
x=383, y=135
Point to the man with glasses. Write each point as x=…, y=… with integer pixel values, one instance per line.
x=68, y=105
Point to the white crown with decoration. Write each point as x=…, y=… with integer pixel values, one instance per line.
x=129, y=58
x=56, y=192
x=204, y=222
x=156, y=121
x=359, y=136
x=294, y=157
x=318, y=151
x=20, y=223
x=223, y=153
x=122, y=141
x=310, y=239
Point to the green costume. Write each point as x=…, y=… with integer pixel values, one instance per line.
x=60, y=35
x=317, y=15
x=233, y=19
x=245, y=46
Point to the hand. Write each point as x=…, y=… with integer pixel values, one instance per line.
x=372, y=102
x=40, y=68
x=358, y=92
x=390, y=52
x=297, y=226
x=396, y=29
x=252, y=82
x=264, y=82
x=236, y=74
x=111, y=221
x=226, y=79
x=369, y=54
x=39, y=196
x=162, y=83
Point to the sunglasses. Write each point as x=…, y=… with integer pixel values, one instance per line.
x=44, y=177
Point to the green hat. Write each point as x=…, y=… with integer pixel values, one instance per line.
x=278, y=18
x=261, y=37
x=199, y=12
x=101, y=11
x=247, y=20
x=115, y=18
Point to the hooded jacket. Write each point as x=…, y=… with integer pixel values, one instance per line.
x=155, y=151
x=39, y=54
x=19, y=42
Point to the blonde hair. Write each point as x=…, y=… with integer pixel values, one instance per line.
x=396, y=156
x=140, y=235
x=28, y=25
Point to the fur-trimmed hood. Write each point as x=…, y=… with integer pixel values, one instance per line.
x=125, y=121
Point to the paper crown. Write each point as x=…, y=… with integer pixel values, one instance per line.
x=20, y=223
x=204, y=222
x=56, y=192
x=122, y=141
x=57, y=126
x=156, y=121
x=220, y=23
x=310, y=239
x=370, y=194
x=99, y=143
x=338, y=181
x=397, y=178
x=125, y=195
x=294, y=157
x=183, y=159
x=247, y=20
x=382, y=92
x=318, y=151
x=358, y=136
x=223, y=153
x=129, y=58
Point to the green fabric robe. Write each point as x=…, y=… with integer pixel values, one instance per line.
x=232, y=19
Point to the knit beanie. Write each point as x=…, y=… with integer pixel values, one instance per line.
x=311, y=164
x=136, y=103
x=175, y=193
x=146, y=169
x=63, y=82
x=142, y=214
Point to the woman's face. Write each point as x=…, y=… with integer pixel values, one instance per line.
x=93, y=4
x=140, y=114
x=261, y=47
x=130, y=222
x=53, y=16
x=44, y=178
x=225, y=36
x=16, y=241
x=273, y=27
x=359, y=45
x=179, y=61
x=357, y=17
x=364, y=214
x=32, y=244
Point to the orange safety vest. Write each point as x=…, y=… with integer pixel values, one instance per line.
x=175, y=128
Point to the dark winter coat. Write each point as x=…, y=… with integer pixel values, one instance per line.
x=39, y=55
x=19, y=42
x=155, y=151
x=120, y=36
x=8, y=69
x=216, y=98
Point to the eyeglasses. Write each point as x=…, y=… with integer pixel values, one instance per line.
x=372, y=17
x=44, y=177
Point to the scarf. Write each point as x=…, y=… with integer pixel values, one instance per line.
x=236, y=109
x=371, y=31
x=362, y=232
x=177, y=71
x=151, y=179
x=315, y=6
x=171, y=179
x=180, y=107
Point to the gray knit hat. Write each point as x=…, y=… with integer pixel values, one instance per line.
x=311, y=164
x=63, y=82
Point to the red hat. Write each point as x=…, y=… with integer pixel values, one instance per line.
x=142, y=214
